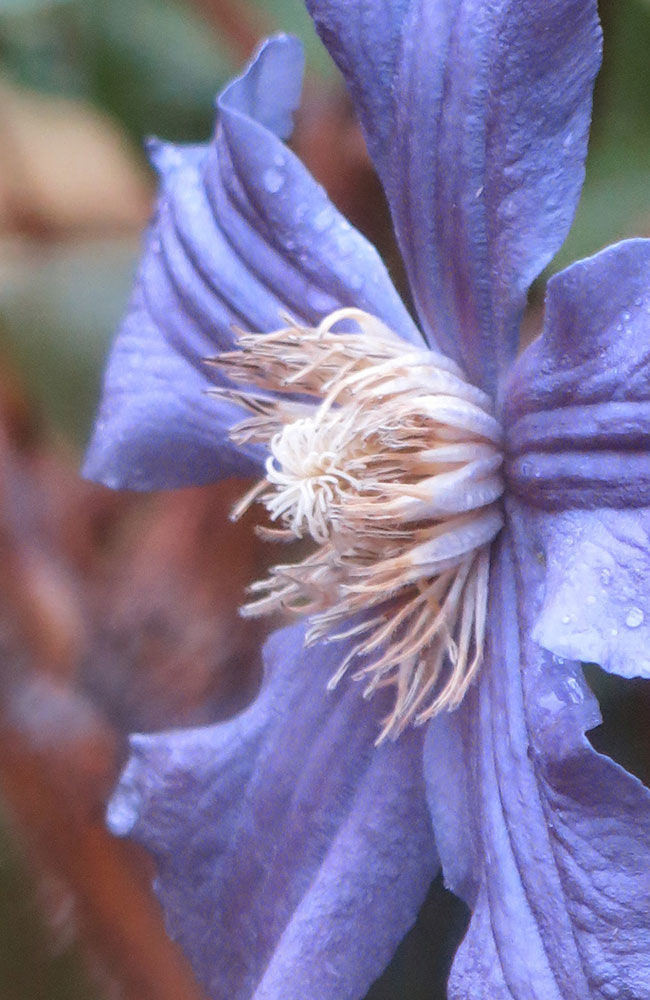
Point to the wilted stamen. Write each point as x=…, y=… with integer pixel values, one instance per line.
x=389, y=460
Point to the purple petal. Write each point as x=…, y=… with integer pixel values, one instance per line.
x=476, y=115
x=555, y=849
x=578, y=424
x=242, y=235
x=157, y=427
x=292, y=854
x=596, y=602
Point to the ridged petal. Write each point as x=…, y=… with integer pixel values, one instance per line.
x=476, y=115
x=292, y=854
x=578, y=427
x=242, y=235
x=551, y=843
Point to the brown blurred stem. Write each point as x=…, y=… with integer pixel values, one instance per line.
x=120, y=916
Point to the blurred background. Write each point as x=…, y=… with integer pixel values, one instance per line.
x=113, y=613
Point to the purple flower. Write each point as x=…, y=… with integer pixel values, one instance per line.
x=293, y=853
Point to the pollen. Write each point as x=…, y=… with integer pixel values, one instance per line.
x=385, y=459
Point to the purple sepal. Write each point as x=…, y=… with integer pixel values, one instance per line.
x=292, y=854
x=596, y=600
x=578, y=396
x=476, y=115
x=577, y=413
x=553, y=845
x=157, y=427
x=242, y=235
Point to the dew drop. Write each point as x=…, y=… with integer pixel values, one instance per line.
x=634, y=617
x=272, y=180
x=343, y=241
x=605, y=576
x=591, y=599
x=319, y=301
x=123, y=811
x=574, y=690
x=323, y=219
x=566, y=619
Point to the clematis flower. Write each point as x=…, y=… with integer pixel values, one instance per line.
x=475, y=525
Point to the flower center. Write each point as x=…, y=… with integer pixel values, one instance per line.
x=308, y=466
x=388, y=459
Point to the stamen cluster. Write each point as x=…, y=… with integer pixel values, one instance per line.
x=388, y=459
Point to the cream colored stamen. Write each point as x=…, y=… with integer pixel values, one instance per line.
x=388, y=459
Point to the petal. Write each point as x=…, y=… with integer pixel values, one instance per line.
x=242, y=235
x=596, y=601
x=157, y=426
x=578, y=396
x=293, y=855
x=578, y=431
x=476, y=115
x=557, y=842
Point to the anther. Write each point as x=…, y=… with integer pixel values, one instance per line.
x=389, y=460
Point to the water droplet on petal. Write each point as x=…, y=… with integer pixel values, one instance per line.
x=343, y=241
x=591, y=599
x=634, y=617
x=566, y=619
x=574, y=690
x=272, y=180
x=123, y=811
x=323, y=219
x=319, y=301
